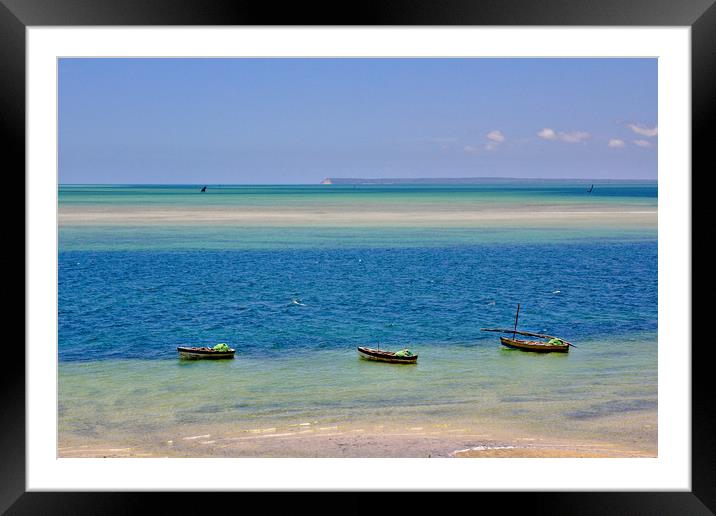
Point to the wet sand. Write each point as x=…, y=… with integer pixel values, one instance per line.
x=347, y=445
x=307, y=440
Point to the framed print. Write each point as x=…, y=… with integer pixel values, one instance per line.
x=436, y=250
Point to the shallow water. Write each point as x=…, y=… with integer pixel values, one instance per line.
x=560, y=193
x=481, y=386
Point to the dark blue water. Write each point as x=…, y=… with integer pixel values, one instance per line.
x=127, y=304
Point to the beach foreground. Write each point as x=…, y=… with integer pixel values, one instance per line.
x=307, y=440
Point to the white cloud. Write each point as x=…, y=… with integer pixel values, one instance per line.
x=644, y=131
x=616, y=142
x=572, y=137
x=496, y=136
x=642, y=143
x=494, y=139
x=547, y=134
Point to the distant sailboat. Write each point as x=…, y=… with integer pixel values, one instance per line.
x=203, y=189
x=590, y=189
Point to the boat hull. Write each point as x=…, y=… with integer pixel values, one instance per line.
x=534, y=346
x=379, y=355
x=199, y=353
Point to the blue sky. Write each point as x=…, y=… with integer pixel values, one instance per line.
x=284, y=121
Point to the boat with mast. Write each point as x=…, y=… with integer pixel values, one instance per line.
x=548, y=344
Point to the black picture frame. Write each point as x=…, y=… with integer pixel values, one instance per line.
x=700, y=15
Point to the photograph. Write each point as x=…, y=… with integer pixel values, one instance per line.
x=357, y=257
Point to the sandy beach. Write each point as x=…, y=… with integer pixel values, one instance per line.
x=347, y=444
x=372, y=439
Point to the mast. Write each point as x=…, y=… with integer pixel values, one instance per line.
x=516, y=317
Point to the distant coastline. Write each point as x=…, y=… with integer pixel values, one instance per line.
x=466, y=180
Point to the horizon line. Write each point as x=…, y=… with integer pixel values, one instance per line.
x=423, y=180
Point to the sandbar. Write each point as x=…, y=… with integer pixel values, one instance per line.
x=458, y=216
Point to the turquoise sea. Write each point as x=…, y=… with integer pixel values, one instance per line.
x=296, y=300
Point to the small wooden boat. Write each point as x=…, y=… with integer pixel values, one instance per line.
x=551, y=344
x=380, y=355
x=534, y=345
x=195, y=353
